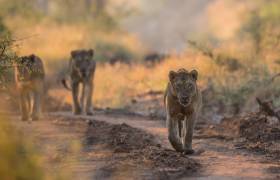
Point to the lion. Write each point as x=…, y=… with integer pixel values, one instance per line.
x=29, y=81
x=81, y=70
x=183, y=102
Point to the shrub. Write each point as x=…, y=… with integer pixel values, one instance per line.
x=111, y=52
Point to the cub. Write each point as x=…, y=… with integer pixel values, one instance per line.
x=81, y=70
x=29, y=80
x=182, y=101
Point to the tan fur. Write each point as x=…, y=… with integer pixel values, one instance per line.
x=81, y=71
x=29, y=79
x=183, y=101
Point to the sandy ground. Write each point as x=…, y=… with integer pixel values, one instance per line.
x=81, y=147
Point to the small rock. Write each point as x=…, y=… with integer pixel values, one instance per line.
x=272, y=120
x=89, y=122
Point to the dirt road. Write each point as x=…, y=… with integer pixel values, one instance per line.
x=80, y=145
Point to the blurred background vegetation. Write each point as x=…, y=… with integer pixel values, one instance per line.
x=234, y=43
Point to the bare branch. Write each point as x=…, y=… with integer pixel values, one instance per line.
x=205, y=51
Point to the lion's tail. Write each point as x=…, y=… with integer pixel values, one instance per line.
x=64, y=83
x=164, y=97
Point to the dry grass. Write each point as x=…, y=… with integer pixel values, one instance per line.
x=18, y=158
x=115, y=85
x=53, y=41
x=49, y=40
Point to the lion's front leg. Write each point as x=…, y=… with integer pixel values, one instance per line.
x=189, y=123
x=89, y=98
x=76, y=105
x=172, y=125
x=24, y=106
x=83, y=96
x=37, y=100
x=36, y=112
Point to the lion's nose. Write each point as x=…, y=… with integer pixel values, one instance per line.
x=185, y=99
x=83, y=72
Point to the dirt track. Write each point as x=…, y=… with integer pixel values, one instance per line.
x=82, y=145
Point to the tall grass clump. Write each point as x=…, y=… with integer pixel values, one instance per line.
x=18, y=159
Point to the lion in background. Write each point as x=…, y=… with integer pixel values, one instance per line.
x=81, y=70
x=183, y=102
x=29, y=80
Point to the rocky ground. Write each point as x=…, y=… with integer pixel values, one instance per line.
x=253, y=131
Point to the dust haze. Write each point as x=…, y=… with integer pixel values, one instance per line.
x=163, y=24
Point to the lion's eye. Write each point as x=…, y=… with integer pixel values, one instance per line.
x=179, y=83
x=190, y=87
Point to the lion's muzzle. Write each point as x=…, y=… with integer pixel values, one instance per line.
x=184, y=100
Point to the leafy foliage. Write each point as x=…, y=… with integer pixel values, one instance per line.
x=6, y=55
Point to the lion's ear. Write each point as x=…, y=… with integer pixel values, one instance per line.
x=91, y=52
x=73, y=54
x=172, y=75
x=194, y=74
x=32, y=57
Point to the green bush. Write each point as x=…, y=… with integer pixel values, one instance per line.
x=7, y=55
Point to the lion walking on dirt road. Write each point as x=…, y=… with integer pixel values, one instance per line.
x=183, y=102
x=29, y=79
x=82, y=69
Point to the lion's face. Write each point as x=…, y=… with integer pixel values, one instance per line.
x=83, y=62
x=184, y=85
x=29, y=67
x=25, y=64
